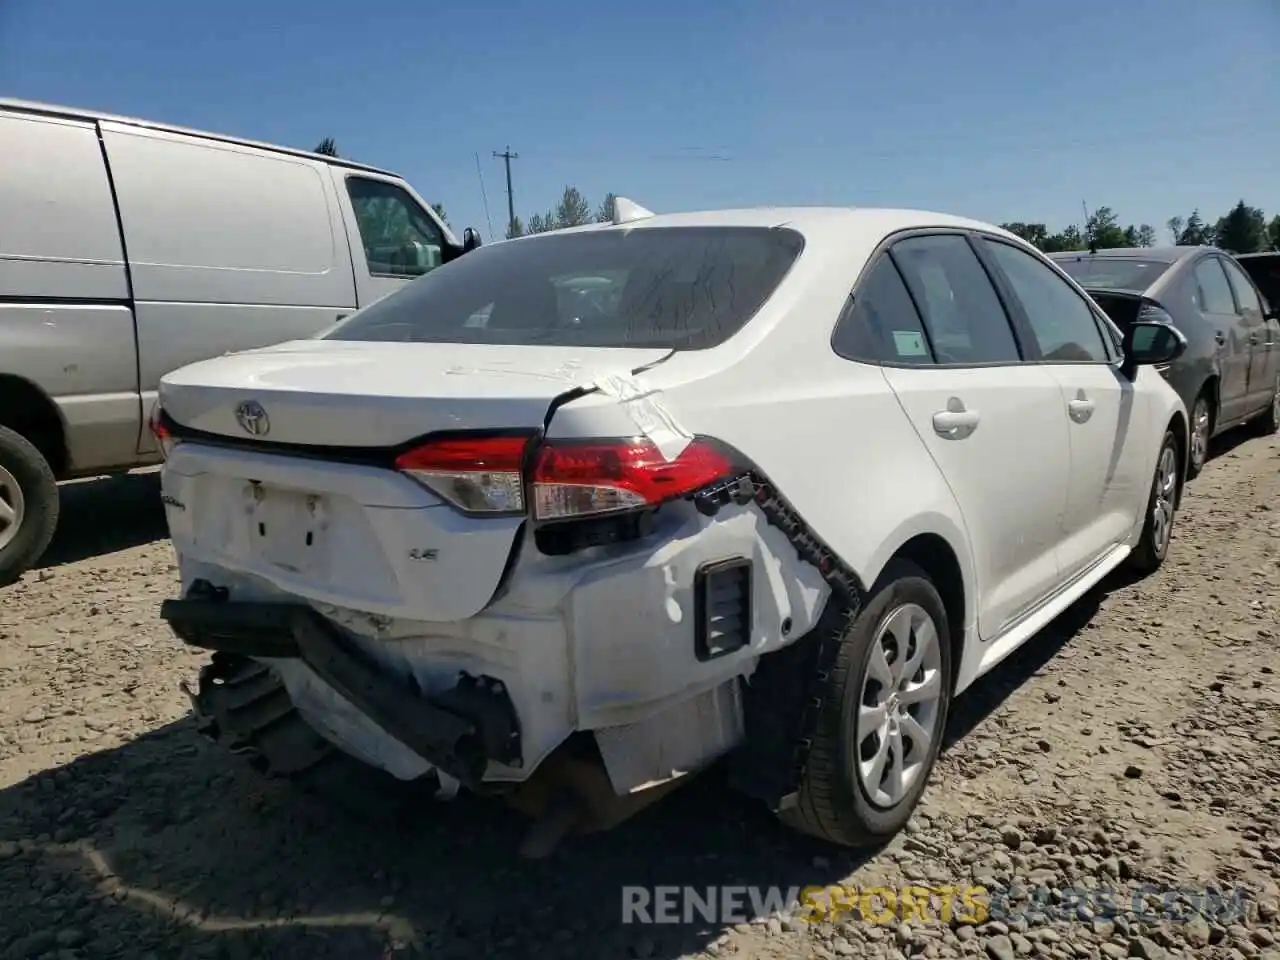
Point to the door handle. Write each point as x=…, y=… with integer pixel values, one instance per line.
x=1080, y=409
x=1254, y=338
x=1221, y=338
x=955, y=422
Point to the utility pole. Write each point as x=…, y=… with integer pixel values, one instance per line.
x=507, y=156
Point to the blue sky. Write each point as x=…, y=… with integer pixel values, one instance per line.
x=999, y=109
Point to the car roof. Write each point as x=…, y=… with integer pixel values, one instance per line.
x=1161, y=254
x=824, y=222
x=76, y=113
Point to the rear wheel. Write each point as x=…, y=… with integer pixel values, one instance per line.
x=1162, y=504
x=883, y=716
x=1201, y=431
x=28, y=505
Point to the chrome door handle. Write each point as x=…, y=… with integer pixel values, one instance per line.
x=1080, y=409
x=955, y=422
x=1221, y=338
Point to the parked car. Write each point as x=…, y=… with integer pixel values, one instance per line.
x=829, y=458
x=130, y=248
x=1230, y=374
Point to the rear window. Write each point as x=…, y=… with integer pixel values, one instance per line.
x=1113, y=273
x=1265, y=271
x=686, y=288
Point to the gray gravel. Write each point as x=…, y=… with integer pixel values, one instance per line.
x=1098, y=783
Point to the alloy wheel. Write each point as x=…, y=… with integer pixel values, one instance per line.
x=13, y=507
x=1162, y=507
x=899, y=707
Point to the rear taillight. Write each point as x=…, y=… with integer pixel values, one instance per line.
x=158, y=430
x=570, y=478
x=475, y=474
x=588, y=478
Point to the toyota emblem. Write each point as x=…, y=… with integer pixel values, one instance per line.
x=253, y=418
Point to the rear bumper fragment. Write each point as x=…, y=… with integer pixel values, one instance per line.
x=459, y=730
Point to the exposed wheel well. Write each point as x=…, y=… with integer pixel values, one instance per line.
x=932, y=554
x=26, y=410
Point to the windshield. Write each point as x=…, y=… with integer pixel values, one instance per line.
x=1113, y=273
x=684, y=288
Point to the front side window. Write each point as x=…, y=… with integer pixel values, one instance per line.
x=881, y=324
x=399, y=239
x=1062, y=322
x=1214, y=293
x=962, y=312
x=683, y=288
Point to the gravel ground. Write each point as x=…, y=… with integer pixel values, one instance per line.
x=1133, y=746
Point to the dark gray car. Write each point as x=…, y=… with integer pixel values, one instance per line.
x=1230, y=373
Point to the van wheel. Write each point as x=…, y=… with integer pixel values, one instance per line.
x=883, y=715
x=28, y=505
x=1162, y=504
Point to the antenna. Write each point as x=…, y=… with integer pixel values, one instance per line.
x=484, y=195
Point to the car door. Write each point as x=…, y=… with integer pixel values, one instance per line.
x=1110, y=430
x=994, y=425
x=1217, y=304
x=1261, y=381
x=393, y=237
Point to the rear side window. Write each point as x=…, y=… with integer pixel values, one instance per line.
x=684, y=288
x=1063, y=324
x=881, y=324
x=1214, y=293
x=399, y=239
x=963, y=314
x=1246, y=296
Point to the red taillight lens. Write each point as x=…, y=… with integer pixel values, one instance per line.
x=161, y=432
x=585, y=478
x=475, y=474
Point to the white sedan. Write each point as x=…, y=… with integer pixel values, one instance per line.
x=797, y=481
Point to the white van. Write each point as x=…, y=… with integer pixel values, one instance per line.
x=130, y=248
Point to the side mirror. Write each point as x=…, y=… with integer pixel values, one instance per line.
x=470, y=239
x=1147, y=343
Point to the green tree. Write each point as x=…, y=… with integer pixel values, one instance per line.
x=516, y=229
x=327, y=147
x=1196, y=233
x=1273, y=232
x=1068, y=239
x=1242, y=230
x=1036, y=234
x=1175, y=225
x=572, y=210
x=1146, y=236
x=605, y=213
x=1103, y=229
x=542, y=223
x=439, y=209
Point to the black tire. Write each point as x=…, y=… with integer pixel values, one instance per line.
x=1269, y=422
x=28, y=468
x=833, y=803
x=1153, y=547
x=1197, y=458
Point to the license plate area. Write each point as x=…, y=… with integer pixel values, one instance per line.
x=288, y=529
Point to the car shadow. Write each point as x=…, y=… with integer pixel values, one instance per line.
x=169, y=844
x=105, y=514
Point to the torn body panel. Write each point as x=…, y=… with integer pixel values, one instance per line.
x=600, y=641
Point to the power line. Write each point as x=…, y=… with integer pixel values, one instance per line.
x=507, y=156
x=484, y=195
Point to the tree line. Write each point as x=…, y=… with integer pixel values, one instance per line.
x=1242, y=229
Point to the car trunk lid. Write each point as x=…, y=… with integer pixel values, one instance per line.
x=311, y=502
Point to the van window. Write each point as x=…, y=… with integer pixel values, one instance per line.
x=685, y=288
x=399, y=239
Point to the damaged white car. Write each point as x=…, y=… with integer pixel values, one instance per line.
x=779, y=488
